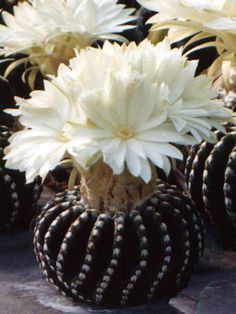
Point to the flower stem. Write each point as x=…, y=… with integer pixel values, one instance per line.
x=66, y=163
x=72, y=179
x=103, y=190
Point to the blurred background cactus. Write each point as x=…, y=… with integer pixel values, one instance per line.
x=17, y=200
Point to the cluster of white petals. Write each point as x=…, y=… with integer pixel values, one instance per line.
x=45, y=140
x=201, y=14
x=201, y=19
x=129, y=105
x=48, y=31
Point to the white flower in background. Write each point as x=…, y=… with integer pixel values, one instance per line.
x=128, y=105
x=202, y=19
x=48, y=31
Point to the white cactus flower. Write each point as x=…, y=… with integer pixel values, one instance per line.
x=49, y=31
x=202, y=19
x=45, y=141
x=127, y=105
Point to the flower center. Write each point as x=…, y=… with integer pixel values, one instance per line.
x=125, y=133
x=63, y=137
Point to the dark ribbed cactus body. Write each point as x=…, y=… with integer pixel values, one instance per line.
x=211, y=178
x=119, y=257
x=16, y=198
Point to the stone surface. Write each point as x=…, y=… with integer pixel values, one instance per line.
x=212, y=288
x=218, y=297
x=216, y=270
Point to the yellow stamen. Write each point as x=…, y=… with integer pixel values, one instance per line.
x=125, y=133
x=63, y=137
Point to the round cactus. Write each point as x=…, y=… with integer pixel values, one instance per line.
x=16, y=198
x=211, y=179
x=119, y=257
